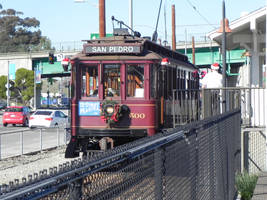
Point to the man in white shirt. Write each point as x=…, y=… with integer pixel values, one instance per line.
x=213, y=79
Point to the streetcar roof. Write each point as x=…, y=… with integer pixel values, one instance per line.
x=143, y=49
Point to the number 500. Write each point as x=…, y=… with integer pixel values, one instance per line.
x=137, y=115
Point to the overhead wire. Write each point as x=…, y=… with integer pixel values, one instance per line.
x=194, y=7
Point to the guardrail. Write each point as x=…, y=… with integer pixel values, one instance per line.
x=252, y=102
x=191, y=105
x=195, y=160
x=16, y=143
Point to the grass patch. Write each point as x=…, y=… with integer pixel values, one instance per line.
x=245, y=184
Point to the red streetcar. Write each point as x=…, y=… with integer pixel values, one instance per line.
x=121, y=88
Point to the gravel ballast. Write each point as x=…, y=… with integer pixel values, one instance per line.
x=22, y=166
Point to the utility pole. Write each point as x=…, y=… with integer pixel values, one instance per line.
x=173, y=29
x=224, y=46
x=224, y=58
x=102, y=19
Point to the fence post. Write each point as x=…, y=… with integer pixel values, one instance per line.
x=0, y=147
x=65, y=138
x=76, y=192
x=58, y=137
x=173, y=108
x=21, y=142
x=242, y=151
x=194, y=165
x=41, y=139
x=206, y=102
x=158, y=159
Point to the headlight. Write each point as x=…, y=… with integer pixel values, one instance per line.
x=109, y=109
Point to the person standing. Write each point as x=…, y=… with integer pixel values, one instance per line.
x=213, y=81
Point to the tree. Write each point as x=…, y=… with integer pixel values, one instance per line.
x=22, y=88
x=20, y=34
x=24, y=85
x=3, y=81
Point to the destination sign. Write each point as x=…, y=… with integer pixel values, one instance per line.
x=113, y=49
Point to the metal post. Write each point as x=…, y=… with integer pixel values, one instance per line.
x=58, y=136
x=173, y=108
x=41, y=140
x=0, y=147
x=265, y=90
x=7, y=94
x=224, y=57
x=34, y=98
x=173, y=29
x=48, y=98
x=158, y=159
x=21, y=142
x=131, y=14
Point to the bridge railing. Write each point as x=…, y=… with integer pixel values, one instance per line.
x=195, y=161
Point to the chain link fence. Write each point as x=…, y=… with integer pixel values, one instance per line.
x=197, y=161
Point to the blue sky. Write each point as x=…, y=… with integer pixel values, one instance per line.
x=65, y=20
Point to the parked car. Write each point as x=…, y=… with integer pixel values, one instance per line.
x=16, y=115
x=48, y=118
x=2, y=105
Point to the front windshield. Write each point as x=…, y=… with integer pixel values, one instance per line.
x=14, y=110
x=90, y=81
x=135, y=80
x=112, y=80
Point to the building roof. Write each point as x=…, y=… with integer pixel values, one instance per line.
x=242, y=29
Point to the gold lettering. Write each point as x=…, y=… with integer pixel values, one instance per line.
x=137, y=115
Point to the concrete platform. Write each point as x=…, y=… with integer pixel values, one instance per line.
x=260, y=192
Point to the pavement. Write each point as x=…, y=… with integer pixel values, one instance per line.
x=260, y=192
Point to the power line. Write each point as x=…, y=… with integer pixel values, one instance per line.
x=194, y=7
x=193, y=25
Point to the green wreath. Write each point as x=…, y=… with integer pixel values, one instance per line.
x=111, y=112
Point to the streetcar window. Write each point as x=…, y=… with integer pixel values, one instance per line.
x=112, y=80
x=90, y=81
x=135, y=80
x=153, y=81
x=169, y=82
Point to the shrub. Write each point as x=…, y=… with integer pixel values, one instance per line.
x=245, y=184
